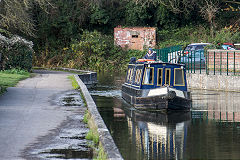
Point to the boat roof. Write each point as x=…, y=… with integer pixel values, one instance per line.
x=159, y=62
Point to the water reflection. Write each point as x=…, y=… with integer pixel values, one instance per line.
x=159, y=135
x=217, y=106
x=210, y=131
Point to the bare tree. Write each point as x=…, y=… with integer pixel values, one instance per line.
x=15, y=14
x=208, y=10
x=177, y=6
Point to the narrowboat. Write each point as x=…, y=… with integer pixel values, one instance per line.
x=156, y=85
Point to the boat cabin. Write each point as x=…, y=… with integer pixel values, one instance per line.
x=154, y=75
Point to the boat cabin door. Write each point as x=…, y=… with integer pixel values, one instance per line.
x=164, y=77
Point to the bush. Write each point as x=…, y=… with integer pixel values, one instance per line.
x=196, y=34
x=16, y=52
x=94, y=51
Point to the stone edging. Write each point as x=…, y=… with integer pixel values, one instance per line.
x=105, y=137
x=213, y=82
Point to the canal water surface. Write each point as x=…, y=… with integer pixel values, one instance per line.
x=211, y=130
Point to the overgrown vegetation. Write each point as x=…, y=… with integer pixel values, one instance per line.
x=74, y=82
x=193, y=34
x=79, y=34
x=86, y=117
x=93, y=136
x=9, y=78
x=16, y=52
x=93, y=51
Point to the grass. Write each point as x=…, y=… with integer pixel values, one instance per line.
x=74, y=82
x=9, y=78
x=101, y=154
x=98, y=148
x=93, y=136
x=86, y=117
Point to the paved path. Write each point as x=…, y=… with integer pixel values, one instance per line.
x=27, y=113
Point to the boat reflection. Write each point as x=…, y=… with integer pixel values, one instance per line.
x=158, y=135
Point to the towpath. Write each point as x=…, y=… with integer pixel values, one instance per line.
x=27, y=112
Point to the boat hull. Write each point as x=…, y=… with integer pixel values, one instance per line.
x=168, y=101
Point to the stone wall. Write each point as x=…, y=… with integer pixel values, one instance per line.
x=135, y=37
x=97, y=123
x=213, y=82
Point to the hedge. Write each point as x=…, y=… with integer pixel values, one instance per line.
x=15, y=52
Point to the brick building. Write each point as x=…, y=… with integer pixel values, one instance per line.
x=135, y=37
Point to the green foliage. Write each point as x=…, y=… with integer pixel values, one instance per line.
x=164, y=18
x=136, y=14
x=58, y=26
x=99, y=16
x=106, y=14
x=74, y=82
x=15, y=53
x=101, y=154
x=86, y=117
x=192, y=34
x=91, y=135
x=79, y=34
x=183, y=36
x=16, y=71
x=94, y=51
x=9, y=78
x=226, y=35
x=6, y=33
x=19, y=56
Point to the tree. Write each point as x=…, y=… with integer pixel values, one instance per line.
x=208, y=9
x=15, y=15
x=107, y=14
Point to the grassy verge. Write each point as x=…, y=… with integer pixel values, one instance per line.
x=74, y=82
x=9, y=78
x=93, y=136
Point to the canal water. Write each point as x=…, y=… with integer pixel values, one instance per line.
x=211, y=130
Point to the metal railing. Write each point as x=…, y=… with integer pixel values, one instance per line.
x=203, y=61
x=223, y=62
x=168, y=54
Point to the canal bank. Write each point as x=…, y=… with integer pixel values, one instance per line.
x=96, y=123
x=213, y=82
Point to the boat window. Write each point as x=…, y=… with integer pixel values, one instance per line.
x=160, y=76
x=148, y=76
x=129, y=76
x=167, y=76
x=178, y=77
x=138, y=76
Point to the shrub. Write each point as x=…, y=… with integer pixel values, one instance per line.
x=94, y=51
x=186, y=35
x=16, y=52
